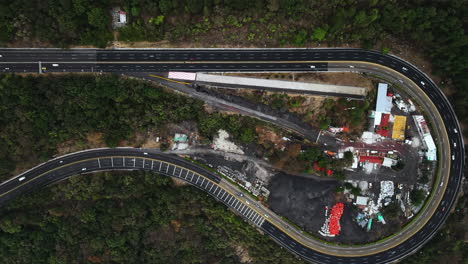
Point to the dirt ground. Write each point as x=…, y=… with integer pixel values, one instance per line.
x=267, y=135
x=311, y=106
x=242, y=253
x=303, y=201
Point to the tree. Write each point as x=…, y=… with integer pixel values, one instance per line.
x=6, y=165
x=310, y=154
x=417, y=196
x=319, y=33
x=348, y=157
x=166, y=6
x=339, y=175
x=273, y=5
x=98, y=18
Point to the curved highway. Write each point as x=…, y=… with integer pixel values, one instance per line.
x=426, y=93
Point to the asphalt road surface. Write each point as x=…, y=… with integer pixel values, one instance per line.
x=426, y=93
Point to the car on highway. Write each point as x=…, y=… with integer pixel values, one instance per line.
x=240, y=194
x=267, y=216
x=247, y=202
x=404, y=68
x=83, y=169
x=455, y=130
x=423, y=83
x=453, y=157
x=55, y=65
x=145, y=153
x=312, y=66
x=21, y=178
x=1, y=55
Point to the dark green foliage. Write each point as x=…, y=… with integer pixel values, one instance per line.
x=348, y=157
x=127, y=217
x=311, y=154
x=424, y=178
x=399, y=166
x=417, y=196
x=45, y=111
x=241, y=128
x=392, y=210
x=65, y=107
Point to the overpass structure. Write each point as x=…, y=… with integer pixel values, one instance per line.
x=418, y=85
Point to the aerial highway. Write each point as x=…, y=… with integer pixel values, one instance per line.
x=416, y=83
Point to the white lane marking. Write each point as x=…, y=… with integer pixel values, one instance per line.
x=249, y=214
x=167, y=168
x=217, y=195
x=152, y=163
x=203, y=180
x=211, y=188
x=160, y=165
x=99, y=163
x=244, y=210
x=197, y=179
x=230, y=197
x=255, y=217
x=223, y=196
x=144, y=163
x=180, y=172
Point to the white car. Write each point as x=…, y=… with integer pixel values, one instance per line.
x=423, y=83
x=453, y=157
x=21, y=178
x=83, y=169
x=145, y=153
x=1, y=55
x=455, y=130
x=454, y=144
x=55, y=65
x=267, y=216
x=351, y=66
x=404, y=68
x=312, y=66
x=247, y=202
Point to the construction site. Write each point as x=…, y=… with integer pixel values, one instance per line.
x=393, y=156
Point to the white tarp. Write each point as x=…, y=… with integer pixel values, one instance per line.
x=188, y=76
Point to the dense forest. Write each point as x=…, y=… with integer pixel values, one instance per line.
x=436, y=27
x=38, y=113
x=128, y=217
